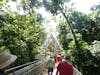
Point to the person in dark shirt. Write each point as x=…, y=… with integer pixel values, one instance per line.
x=65, y=68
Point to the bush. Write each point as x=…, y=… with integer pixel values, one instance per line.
x=83, y=59
x=2, y=48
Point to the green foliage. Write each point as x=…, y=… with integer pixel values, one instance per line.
x=53, y=5
x=95, y=16
x=42, y=51
x=1, y=3
x=88, y=27
x=82, y=45
x=64, y=34
x=95, y=48
x=29, y=5
x=2, y=48
x=83, y=58
x=21, y=34
x=77, y=19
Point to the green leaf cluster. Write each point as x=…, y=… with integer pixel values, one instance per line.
x=21, y=34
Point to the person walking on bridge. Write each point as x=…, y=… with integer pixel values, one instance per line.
x=5, y=60
x=65, y=68
x=50, y=65
x=58, y=59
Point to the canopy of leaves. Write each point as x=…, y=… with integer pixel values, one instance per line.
x=95, y=15
x=54, y=5
x=21, y=34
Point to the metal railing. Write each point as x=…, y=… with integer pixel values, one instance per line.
x=33, y=68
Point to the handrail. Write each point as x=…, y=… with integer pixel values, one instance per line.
x=21, y=66
x=37, y=67
x=33, y=69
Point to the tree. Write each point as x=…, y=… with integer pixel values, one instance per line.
x=22, y=34
x=95, y=15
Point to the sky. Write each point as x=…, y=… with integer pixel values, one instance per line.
x=85, y=5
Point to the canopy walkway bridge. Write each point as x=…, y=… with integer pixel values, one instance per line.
x=37, y=67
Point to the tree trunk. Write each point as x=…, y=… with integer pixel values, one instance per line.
x=74, y=37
